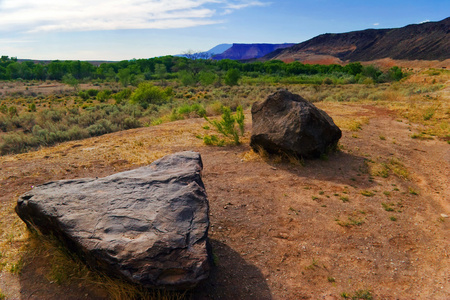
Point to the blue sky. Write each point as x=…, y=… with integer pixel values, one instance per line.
x=126, y=29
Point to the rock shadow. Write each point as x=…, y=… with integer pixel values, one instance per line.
x=232, y=278
x=338, y=167
x=36, y=284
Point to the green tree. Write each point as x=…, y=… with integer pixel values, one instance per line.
x=371, y=72
x=395, y=73
x=161, y=72
x=353, y=68
x=70, y=80
x=232, y=77
x=187, y=78
x=207, y=78
x=124, y=77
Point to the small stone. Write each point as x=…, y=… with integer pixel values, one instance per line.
x=444, y=215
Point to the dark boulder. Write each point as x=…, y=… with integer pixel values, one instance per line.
x=148, y=225
x=287, y=123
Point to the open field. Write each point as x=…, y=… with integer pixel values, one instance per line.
x=367, y=222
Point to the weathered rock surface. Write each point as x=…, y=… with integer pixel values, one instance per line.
x=147, y=225
x=287, y=123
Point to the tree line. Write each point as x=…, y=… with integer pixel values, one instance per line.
x=189, y=70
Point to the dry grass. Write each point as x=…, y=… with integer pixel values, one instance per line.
x=13, y=238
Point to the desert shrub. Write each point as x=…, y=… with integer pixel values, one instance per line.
x=38, y=131
x=92, y=92
x=103, y=95
x=25, y=121
x=214, y=108
x=131, y=122
x=51, y=115
x=12, y=111
x=429, y=113
x=187, y=111
x=230, y=127
x=83, y=95
x=194, y=110
x=327, y=80
x=147, y=93
x=5, y=124
x=213, y=140
x=3, y=108
x=135, y=110
x=122, y=95
x=77, y=133
x=16, y=142
x=86, y=119
x=366, y=80
x=101, y=127
x=32, y=107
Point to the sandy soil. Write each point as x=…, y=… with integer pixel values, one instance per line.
x=280, y=230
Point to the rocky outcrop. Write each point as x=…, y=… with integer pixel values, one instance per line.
x=287, y=123
x=148, y=225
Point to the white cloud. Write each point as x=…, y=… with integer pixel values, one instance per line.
x=376, y=24
x=88, y=15
x=230, y=7
x=426, y=21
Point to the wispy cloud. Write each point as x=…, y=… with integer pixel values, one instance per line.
x=244, y=4
x=376, y=24
x=89, y=15
x=230, y=7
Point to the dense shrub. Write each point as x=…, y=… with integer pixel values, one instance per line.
x=122, y=95
x=147, y=93
x=92, y=92
x=83, y=95
x=131, y=122
x=103, y=95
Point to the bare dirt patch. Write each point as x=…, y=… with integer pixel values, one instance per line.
x=278, y=230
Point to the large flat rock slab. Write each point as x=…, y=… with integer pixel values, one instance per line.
x=148, y=225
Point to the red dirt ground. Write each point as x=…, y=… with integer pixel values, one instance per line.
x=275, y=227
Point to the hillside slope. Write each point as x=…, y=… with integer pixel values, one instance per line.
x=427, y=41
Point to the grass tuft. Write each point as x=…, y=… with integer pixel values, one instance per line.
x=367, y=193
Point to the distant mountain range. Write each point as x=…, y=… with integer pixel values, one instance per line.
x=248, y=51
x=425, y=41
x=219, y=49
